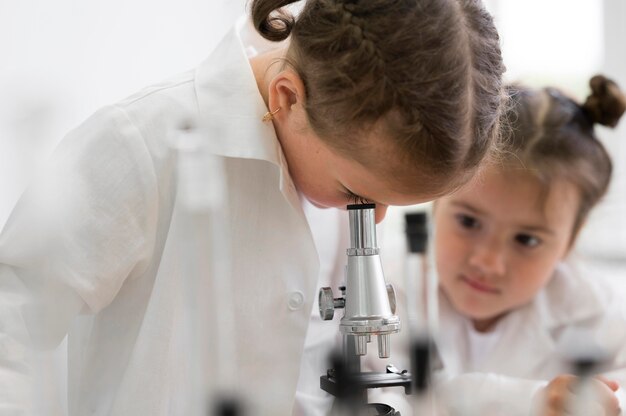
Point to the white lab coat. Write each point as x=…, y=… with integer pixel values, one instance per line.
x=573, y=310
x=330, y=230
x=98, y=237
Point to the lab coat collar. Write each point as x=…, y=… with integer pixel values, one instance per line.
x=568, y=298
x=530, y=330
x=231, y=106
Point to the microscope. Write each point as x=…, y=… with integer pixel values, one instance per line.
x=369, y=310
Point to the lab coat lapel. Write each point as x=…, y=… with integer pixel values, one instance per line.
x=231, y=106
x=276, y=277
x=452, y=338
x=520, y=345
x=526, y=346
x=535, y=329
x=568, y=299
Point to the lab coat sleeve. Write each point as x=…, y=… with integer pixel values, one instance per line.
x=84, y=226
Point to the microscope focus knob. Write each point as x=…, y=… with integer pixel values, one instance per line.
x=326, y=304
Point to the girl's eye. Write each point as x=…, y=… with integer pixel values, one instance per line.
x=467, y=221
x=355, y=199
x=527, y=240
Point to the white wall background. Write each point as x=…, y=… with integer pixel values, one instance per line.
x=61, y=60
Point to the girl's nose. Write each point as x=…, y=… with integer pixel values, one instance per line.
x=380, y=212
x=488, y=258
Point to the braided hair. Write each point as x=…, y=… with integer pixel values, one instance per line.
x=430, y=70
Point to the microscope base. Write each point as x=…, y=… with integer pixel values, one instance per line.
x=363, y=381
x=372, y=409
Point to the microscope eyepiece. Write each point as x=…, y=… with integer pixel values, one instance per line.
x=360, y=206
x=362, y=220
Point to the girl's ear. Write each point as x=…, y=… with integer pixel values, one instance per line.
x=286, y=91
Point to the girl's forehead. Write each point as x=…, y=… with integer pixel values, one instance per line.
x=518, y=196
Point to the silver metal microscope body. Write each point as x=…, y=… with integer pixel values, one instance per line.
x=368, y=301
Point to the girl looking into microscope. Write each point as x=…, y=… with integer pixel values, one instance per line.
x=389, y=101
x=511, y=304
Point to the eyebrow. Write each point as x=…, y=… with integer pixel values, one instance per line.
x=467, y=206
x=530, y=228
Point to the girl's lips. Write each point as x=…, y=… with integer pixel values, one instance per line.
x=479, y=286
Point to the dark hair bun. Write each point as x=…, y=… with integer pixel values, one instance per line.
x=607, y=103
x=271, y=21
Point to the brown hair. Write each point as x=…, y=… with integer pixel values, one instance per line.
x=430, y=70
x=554, y=138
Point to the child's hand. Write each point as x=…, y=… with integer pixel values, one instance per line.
x=558, y=396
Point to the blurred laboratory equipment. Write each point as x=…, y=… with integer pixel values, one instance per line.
x=422, y=312
x=584, y=358
x=205, y=254
x=26, y=121
x=369, y=310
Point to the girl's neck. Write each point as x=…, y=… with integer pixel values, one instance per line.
x=486, y=325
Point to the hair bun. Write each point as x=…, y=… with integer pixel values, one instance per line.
x=271, y=20
x=607, y=103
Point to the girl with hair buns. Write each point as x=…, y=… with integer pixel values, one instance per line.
x=514, y=310
x=385, y=101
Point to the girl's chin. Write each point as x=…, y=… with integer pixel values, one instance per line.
x=317, y=204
